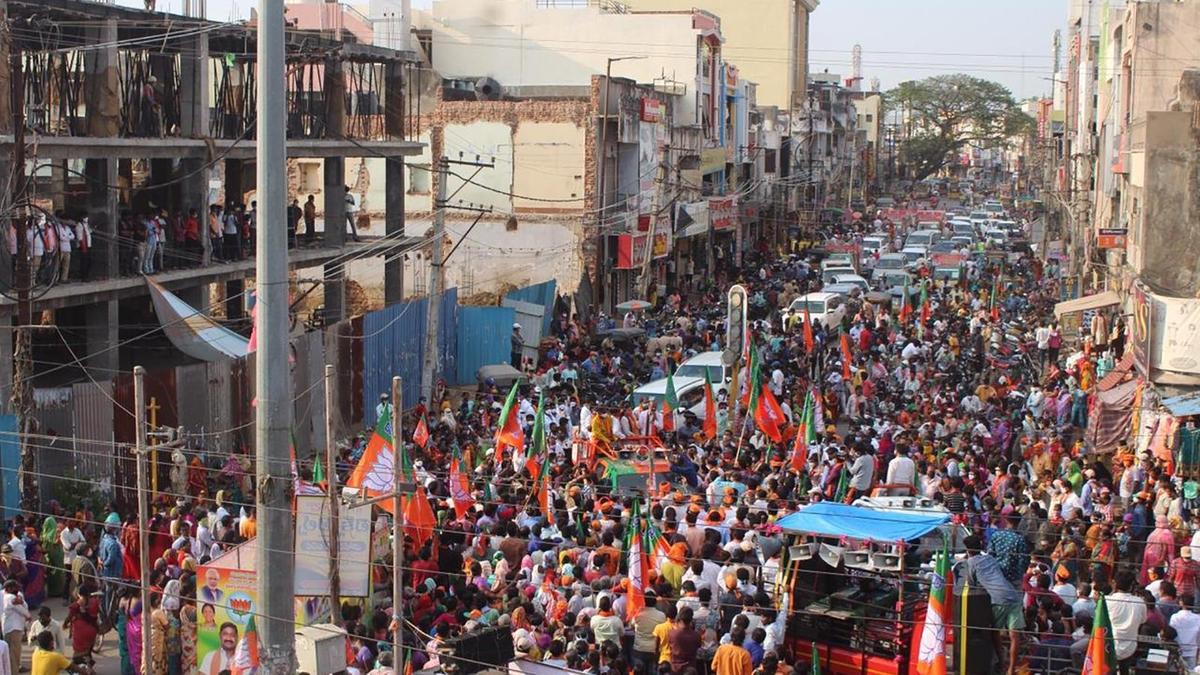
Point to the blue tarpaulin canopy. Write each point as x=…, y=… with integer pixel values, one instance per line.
x=828, y=519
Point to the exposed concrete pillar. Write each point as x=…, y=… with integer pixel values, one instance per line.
x=194, y=87
x=58, y=183
x=102, y=95
x=102, y=217
x=335, y=202
x=194, y=122
x=101, y=327
x=393, y=262
x=234, y=300
x=335, y=167
x=234, y=186
x=335, y=293
x=393, y=265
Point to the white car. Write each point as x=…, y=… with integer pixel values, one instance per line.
x=689, y=391
x=922, y=238
x=829, y=273
x=914, y=255
x=852, y=279
x=827, y=308
x=980, y=218
x=695, y=367
x=888, y=262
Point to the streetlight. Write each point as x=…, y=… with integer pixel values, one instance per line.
x=601, y=273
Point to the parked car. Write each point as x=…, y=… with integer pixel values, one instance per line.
x=852, y=279
x=892, y=279
x=914, y=255
x=828, y=274
x=922, y=238
x=828, y=308
x=695, y=367
x=888, y=262
x=689, y=391
x=996, y=237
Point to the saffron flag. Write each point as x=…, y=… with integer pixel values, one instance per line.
x=769, y=416
x=460, y=487
x=846, y=357
x=905, y=306
x=245, y=656
x=750, y=398
x=808, y=331
x=995, y=291
x=800, y=447
x=318, y=470
x=710, y=409
x=419, y=519
x=1101, y=655
x=300, y=487
x=931, y=659
x=926, y=308
x=544, y=500
x=508, y=429
x=421, y=433
x=537, y=441
x=374, y=469
x=670, y=404
x=637, y=568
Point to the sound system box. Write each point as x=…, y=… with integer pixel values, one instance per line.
x=478, y=650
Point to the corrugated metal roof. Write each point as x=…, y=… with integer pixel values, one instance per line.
x=1184, y=405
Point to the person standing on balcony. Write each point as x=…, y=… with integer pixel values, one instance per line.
x=352, y=213
x=229, y=242
x=310, y=218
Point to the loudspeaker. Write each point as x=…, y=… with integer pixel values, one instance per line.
x=479, y=650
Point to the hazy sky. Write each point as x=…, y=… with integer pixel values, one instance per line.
x=1004, y=40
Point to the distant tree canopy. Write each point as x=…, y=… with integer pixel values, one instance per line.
x=949, y=113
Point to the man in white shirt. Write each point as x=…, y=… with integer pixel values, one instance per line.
x=66, y=234
x=1186, y=623
x=901, y=471
x=14, y=617
x=72, y=540
x=352, y=213
x=1127, y=613
x=46, y=622
x=18, y=546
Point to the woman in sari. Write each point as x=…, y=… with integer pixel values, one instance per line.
x=187, y=637
x=35, y=582
x=123, y=635
x=56, y=578
x=133, y=634
x=196, y=485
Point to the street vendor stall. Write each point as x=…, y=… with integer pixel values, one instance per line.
x=857, y=599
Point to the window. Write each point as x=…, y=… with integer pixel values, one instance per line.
x=870, y=118
x=310, y=177
x=419, y=179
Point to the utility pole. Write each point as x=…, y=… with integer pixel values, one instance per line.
x=437, y=279
x=335, y=579
x=22, y=391
x=273, y=415
x=143, y=500
x=437, y=267
x=397, y=530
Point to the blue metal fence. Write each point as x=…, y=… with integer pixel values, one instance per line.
x=10, y=464
x=394, y=344
x=483, y=339
x=543, y=294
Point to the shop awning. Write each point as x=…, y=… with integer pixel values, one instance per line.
x=1183, y=406
x=828, y=519
x=1119, y=372
x=1103, y=299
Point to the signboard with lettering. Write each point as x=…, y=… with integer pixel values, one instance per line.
x=1111, y=237
x=1140, y=327
x=712, y=159
x=652, y=110
x=631, y=251
x=722, y=213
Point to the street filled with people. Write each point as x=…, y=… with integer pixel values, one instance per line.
x=618, y=510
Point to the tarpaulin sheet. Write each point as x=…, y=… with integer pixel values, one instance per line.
x=194, y=333
x=1111, y=416
x=828, y=519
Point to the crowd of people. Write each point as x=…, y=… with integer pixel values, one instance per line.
x=970, y=396
x=153, y=239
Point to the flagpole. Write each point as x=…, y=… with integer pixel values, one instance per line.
x=962, y=633
x=397, y=529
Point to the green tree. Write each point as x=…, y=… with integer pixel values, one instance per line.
x=945, y=114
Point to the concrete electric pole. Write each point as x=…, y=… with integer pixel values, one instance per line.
x=273, y=416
